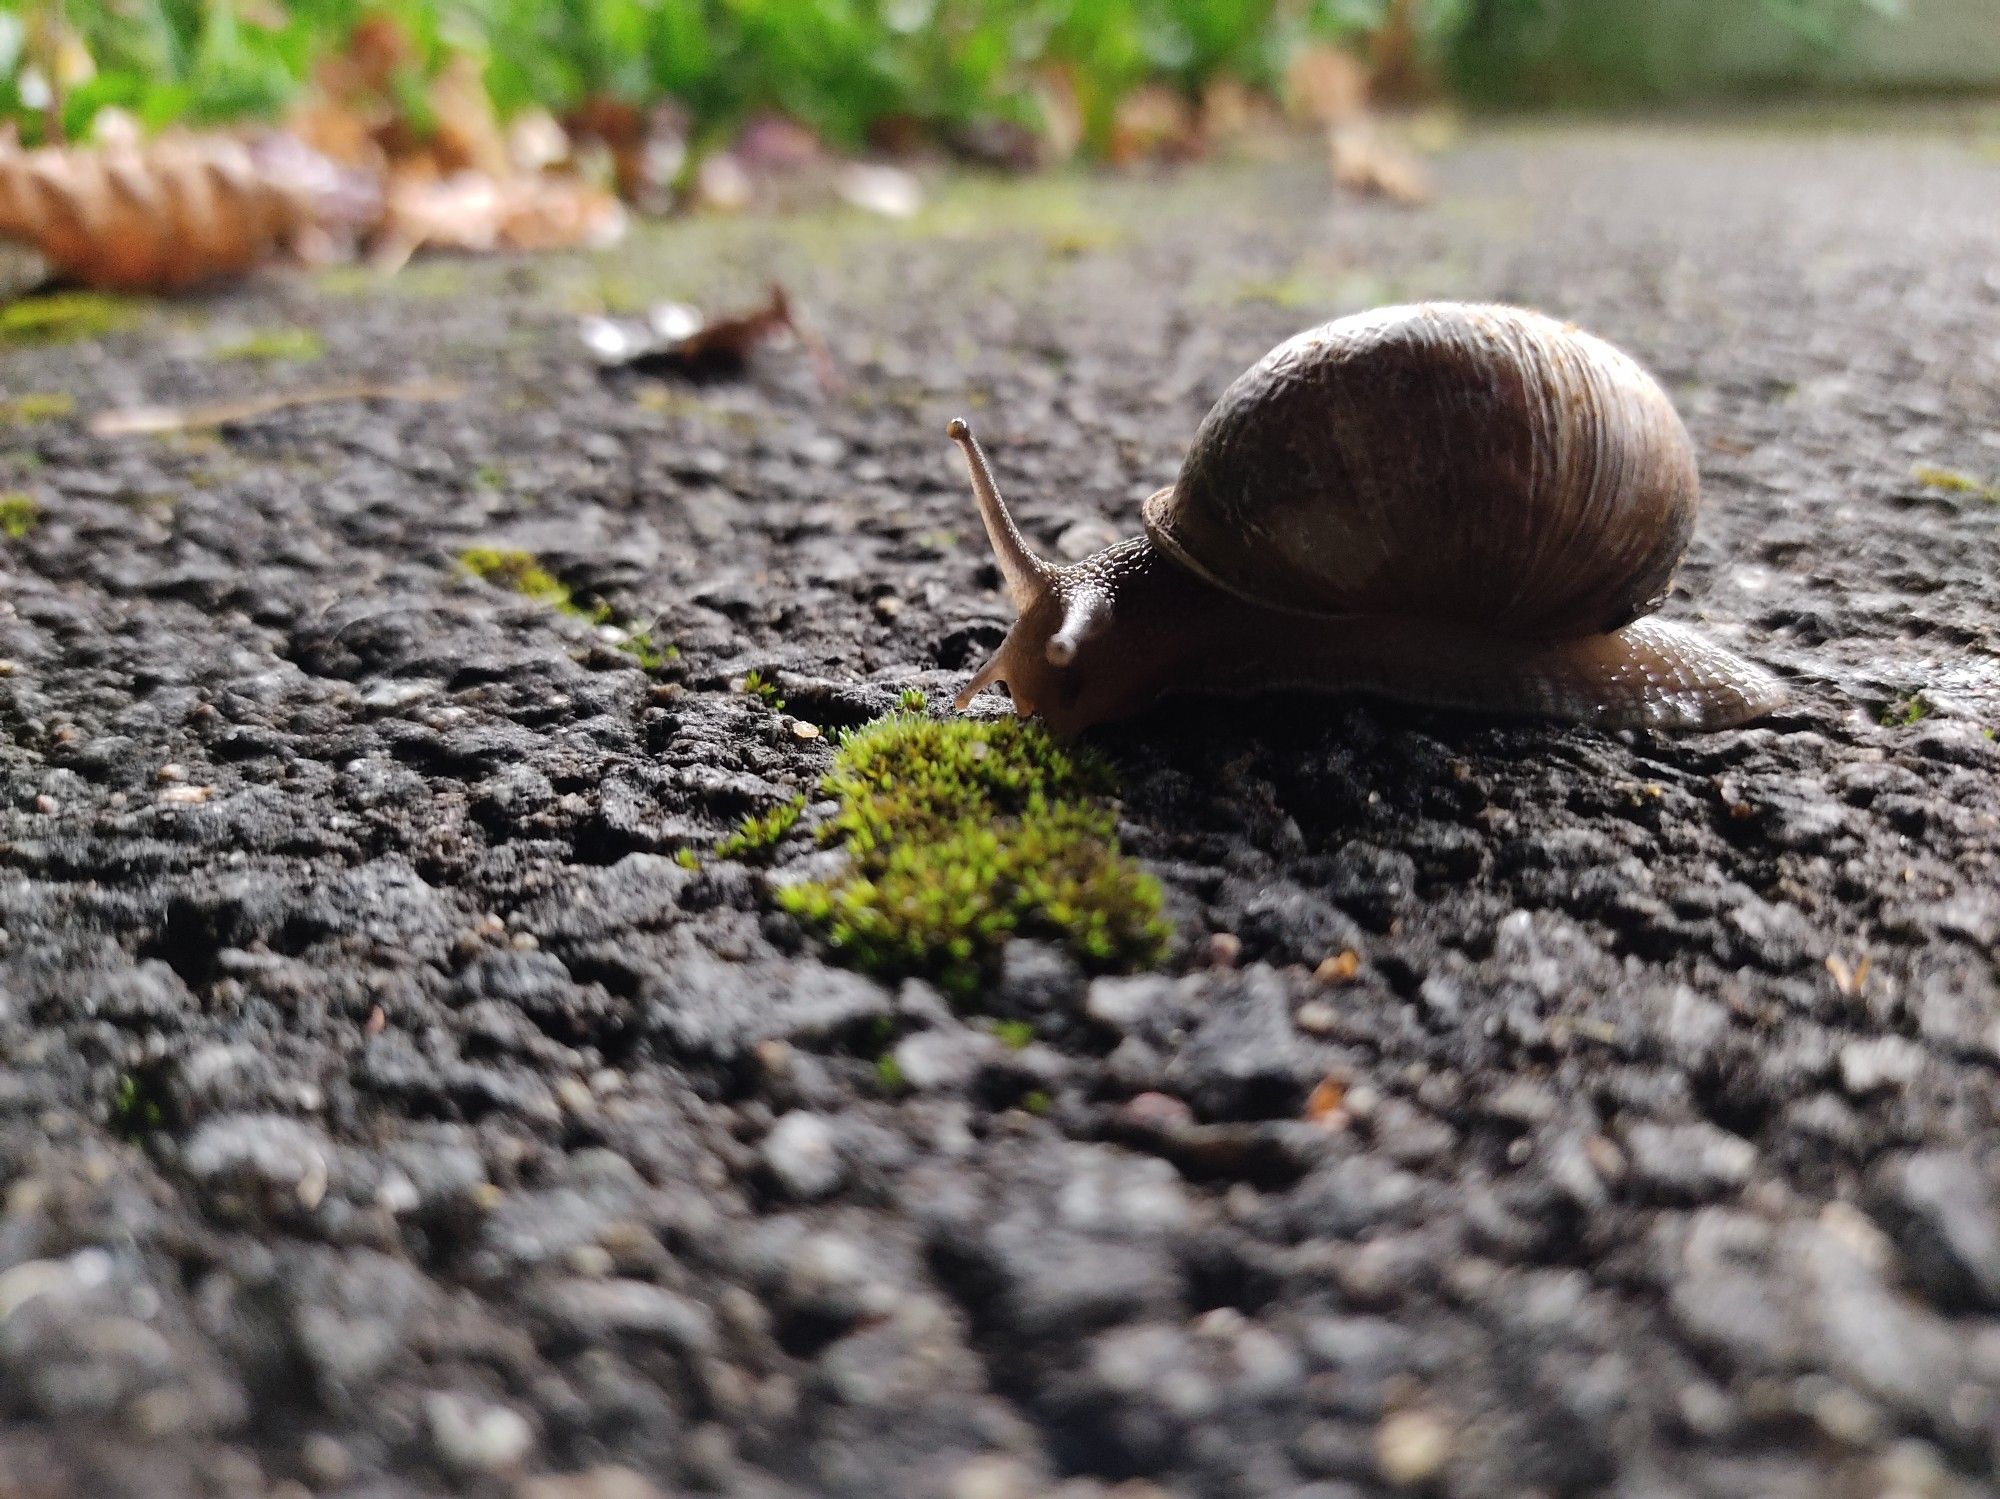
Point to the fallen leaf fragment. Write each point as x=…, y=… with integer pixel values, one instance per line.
x=649, y=147
x=676, y=340
x=1327, y=1105
x=889, y=191
x=1339, y=967
x=1367, y=164
x=1396, y=67
x=136, y=421
x=478, y=213
x=1325, y=85
x=1153, y=123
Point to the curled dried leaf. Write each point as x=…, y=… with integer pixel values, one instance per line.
x=677, y=340
x=171, y=213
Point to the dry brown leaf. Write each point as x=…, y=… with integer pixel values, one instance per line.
x=1365, y=163
x=649, y=147
x=1326, y=85
x=678, y=341
x=357, y=112
x=1232, y=113
x=339, y=133
x=1395, y=57
x=474, y=212
x=1153, y=123
x=148, y=421
x=164, y=215
x=465, y=133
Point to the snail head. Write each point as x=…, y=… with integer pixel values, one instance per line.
x=1059, y=661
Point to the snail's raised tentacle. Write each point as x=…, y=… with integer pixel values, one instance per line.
x=1027, y=576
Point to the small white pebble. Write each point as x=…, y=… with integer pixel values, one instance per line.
x=475, y=1436
x=1411, y=1447
x=802, y=1158
x=1317, y=1018
x=1878, y=1064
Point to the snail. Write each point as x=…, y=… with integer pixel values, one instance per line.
x=1462, y=505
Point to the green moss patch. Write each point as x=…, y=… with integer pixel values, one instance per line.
x=961, y=835
x=1015, y=1035
x=63, y=317
x=1931, y=476
x=647, y=652
x=1906, y=712
x=37, y=406
x=759, y=833
x=756, y=685
x=520, y=573
x=136, y=1109
x=18, y=514
x=271, y=344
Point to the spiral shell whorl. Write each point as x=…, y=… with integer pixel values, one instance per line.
x=1449, y=462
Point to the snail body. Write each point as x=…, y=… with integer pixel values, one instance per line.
x=1462, y=505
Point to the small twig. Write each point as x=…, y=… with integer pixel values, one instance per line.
x=818, y=354
x=136, y=421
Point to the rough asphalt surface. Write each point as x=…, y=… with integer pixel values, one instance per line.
x=385, y=1111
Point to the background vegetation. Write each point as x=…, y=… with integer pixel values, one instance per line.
x=848, y=69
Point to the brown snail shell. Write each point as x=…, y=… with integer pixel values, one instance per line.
x=1458, y=504
x=1478, y=464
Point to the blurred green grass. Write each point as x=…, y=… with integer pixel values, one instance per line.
x=845, y=68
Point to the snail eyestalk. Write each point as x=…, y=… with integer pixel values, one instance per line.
x=1025, y=574
x=1085, y=612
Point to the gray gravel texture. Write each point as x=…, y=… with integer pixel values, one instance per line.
x=384, y=1110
